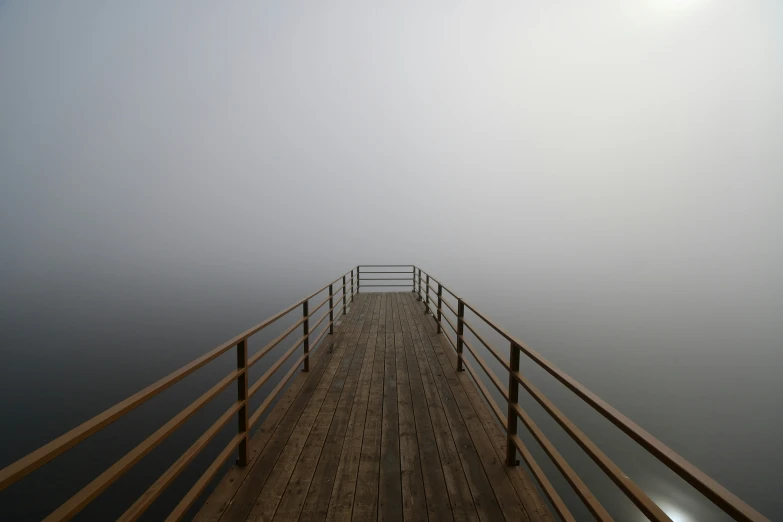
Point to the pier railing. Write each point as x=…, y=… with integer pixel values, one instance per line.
x=442, y=303
x=436, y=298
x=338, y=295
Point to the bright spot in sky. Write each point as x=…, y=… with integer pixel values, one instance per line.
x=676, y=5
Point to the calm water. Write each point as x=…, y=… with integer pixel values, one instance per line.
x=695, y=364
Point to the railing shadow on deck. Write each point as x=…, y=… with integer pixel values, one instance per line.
x=435, y=302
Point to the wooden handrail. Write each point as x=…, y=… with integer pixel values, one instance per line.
x=396, y=272
x=581, y=489
x=720, y=496
x=77, y=502
x=44, y=454
x=194, y=492
x=489, y=348
x=490, y=374
x=443, y=301
x=439, y=309
x=29, y=463
x=546, y=486
x=153, y=492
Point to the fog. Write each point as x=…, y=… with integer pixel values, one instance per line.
x=605, y=178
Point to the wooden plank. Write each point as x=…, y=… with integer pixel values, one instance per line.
x=376, y=314
x=367, y=322
x=242, y=503
x=365, y=506
x=305, y=471
x=312, y=426
x=414, y=505
x=342, y=496
x=395, y=313
x=404, y=324
x=395, y=434
x=460, y=497
x=316, y=502
x=493, y=466
x=484, y=497
x=309, y=465
x=390, y=487
x=437, y=496
x=293, y=400
x=389, y=323
x=523, y=483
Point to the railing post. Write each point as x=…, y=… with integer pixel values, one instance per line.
x=460, y=330
x=427, y=300
x=345, y=302
x=418, y=294
x=244, y=453
x=352, y=294
x=358, y=280
x=331, y=310
x=306, y=328
x=513, y=399
x=440, y=299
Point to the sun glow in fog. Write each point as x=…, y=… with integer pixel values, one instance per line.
x=675, y=513
x=678, y=5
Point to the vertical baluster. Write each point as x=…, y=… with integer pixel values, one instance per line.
x=513, y=399
x=352, y=294
x=306, y=328
x=427, y=300
x=345, y=302
x=244, y=453
x=460, y=330
x=331, y=310
x=418, y=294
x=440, y=301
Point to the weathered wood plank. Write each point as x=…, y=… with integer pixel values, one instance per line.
x=493, y=465
x=437, y=496
x=522, y=482
x=236, y=492
x=404, y=323
x=414, y=505
x=460, y=497
x=382, y=428
x=484, y=498
x=242, y=503
x=390, y=486
x=312, y=426
x=342, y=495
x=395, y=312
x=305, y=383
x=316, y=502
x=365, y=505
x=389, y=322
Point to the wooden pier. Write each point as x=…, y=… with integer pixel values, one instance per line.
x=381, y=428
x=385, y=415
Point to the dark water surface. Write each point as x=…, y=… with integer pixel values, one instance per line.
x=695, y=364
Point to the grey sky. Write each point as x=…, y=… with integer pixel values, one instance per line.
x=137, y=135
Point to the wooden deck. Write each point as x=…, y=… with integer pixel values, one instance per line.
x=381, y=428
